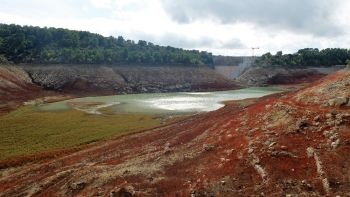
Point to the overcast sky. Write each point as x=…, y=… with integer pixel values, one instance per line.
x=227, y=27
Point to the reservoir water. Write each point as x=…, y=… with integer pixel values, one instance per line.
x=159, y=103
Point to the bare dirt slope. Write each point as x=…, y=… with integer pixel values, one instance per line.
x=15, y=87
x=296, y=143
x=261, y=76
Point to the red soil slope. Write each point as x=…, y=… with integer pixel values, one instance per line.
x=282, y=145
x=15, y=87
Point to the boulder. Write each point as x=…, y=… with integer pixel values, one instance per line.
x=283, y=154
x=338, y=101
x=77, y=185
x=317, y=118
x=310, y=152
x=302, y=124
x=335, y=144
x=208, y=147
x=123, y=192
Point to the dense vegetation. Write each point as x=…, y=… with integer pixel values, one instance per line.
x=305, y=58
x=27, y=44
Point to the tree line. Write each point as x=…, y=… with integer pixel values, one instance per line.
x=28, y=44
x=307, y=57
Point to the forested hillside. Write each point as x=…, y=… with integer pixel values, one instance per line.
x=28, y=44
x=306, y=58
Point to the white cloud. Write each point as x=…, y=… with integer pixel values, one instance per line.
x=149, y=20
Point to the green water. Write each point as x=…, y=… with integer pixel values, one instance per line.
x=163, y=103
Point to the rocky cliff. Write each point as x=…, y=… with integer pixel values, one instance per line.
x=120, y=80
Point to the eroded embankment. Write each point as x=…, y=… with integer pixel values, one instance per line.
x=296, y=143
x=95, y=79
x=15, y=87
x=262, y=76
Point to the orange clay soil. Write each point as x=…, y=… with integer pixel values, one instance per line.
x=283, y=144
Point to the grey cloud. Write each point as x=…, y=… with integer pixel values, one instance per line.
x=233, y=44
x=305, y=16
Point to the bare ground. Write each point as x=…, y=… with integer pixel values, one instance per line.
x=297, y=143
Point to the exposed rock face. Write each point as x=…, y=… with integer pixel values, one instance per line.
x=272, y=76
x=15, y=86
x=117, y=80
x=72, y=78
x=169, y=79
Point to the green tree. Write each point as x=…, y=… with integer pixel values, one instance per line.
x=27, y=44
x=306, y=58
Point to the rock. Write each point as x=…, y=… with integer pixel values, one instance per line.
x=338, y=122
x=284, y=148
x=331, y=103
x=310, y=152
x=283, y=154
x=77, y=185
x=335, y=144
x=250, y=151
x=123, y=192
x=330, y=122
x=328, y=134
x=334, y=137
x=317, y=119
x=334, y=113
x=167, y=148
x=328, y=115
x=337, y=102
x=306, y=185
x=340, y=101
x=251, y=132
x=208, y=147
x=272, y=144
x=302, y=124
x=269, y=126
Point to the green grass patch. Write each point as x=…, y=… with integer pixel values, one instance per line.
x=27, y=131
